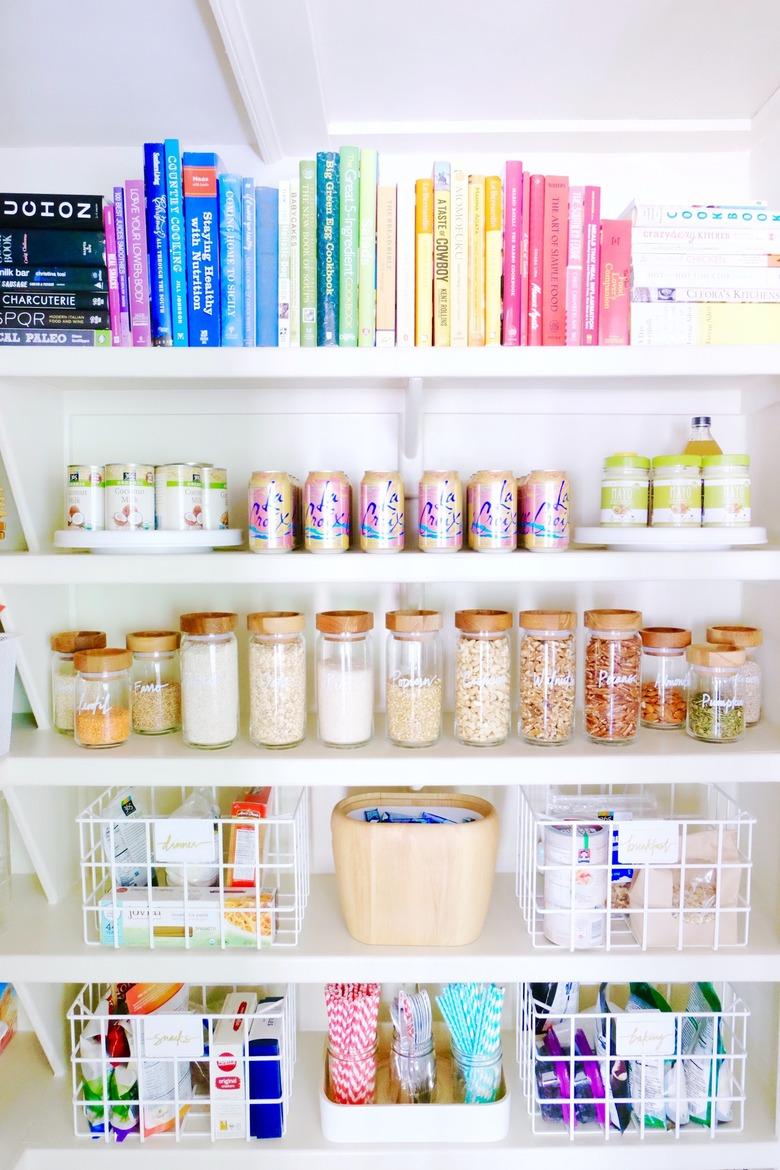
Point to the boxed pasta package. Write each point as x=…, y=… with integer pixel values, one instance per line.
x=125, y=918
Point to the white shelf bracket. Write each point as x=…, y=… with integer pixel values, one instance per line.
x=411, y=439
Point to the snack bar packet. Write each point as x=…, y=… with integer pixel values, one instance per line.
x=664, y=1081
x=615, y=1070
x=702, y=1040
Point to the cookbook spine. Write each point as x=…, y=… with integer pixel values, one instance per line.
x=369, y=164
x=535, y=260
x=327, y=248
x=385, y=265
x=56, y=212
x=493, y=209
x=590, y=279
x=574, y=266
x=423, y=263
x=137, y=262
x=231, y=269
x=177, y=260
x=248, y=258
x=267, y=294
x=308, y=181
x=349, y=244
x=109, y=228
x=513, y=213
x=157, y=243
x=121, y=259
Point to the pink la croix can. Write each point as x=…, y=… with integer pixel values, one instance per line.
x=381, y=512
x=492, y=511
x=545, y=506
x=440, y=500
x=327, y=512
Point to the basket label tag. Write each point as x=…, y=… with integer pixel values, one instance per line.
x=169, y=1036
x=648, y=842
x=645, y=1034
x=184, y=839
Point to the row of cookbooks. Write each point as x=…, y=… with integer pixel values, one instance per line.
x=194, y=255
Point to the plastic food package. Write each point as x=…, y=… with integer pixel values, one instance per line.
x=200, y=806
x=614, y=1070
x=656, y=1084
x=703, y=1074
x=125, y=841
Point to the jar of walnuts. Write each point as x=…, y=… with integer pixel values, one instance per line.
x=547, y=675
x=612, y=675
x=664, y=676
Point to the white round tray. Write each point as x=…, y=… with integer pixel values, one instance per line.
x=679, y=539
x=149, y=542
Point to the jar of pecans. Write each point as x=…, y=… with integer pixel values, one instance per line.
x=747, y=638
x=63, y=673
x=155, y=689
x=664, y=676
x=482, y=676
x=102, y=700
x=414, y=677
x=612, y=675
x=716, y=712
x=547, y=675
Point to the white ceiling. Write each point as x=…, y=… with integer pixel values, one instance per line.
x=118, y=72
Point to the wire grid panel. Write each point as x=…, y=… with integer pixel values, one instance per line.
x=603, y=1068
x=245, y=883
x=625, y=867
x=166, y=1077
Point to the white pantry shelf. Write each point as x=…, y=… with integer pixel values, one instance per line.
x=412, y=567
x=48, y=759
x=41, y=939
x=38, y=1133
x=107, y=369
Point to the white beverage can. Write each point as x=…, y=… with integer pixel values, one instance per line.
x=129, y=497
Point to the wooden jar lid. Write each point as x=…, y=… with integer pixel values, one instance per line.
x=483, y=621
x=69, y=641
x=707, y=654
x=208, y=623
x=613, y=619
x=745, y=637
x=413, y=621
x=148, y=641
x=548, y=619
x=666, y=637
x=102, y=661
x=279, y=621
x=345, y=621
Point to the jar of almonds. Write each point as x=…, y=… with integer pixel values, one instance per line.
x=664, y=676
x=482, y=676
x=547, y=675
x=612, y=675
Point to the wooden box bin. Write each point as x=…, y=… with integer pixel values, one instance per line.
x=414, y=885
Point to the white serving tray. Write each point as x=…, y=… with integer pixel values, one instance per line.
x=148, y=542
x=384, y=1122
x=677, y=539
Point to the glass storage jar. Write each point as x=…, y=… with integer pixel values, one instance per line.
x=63, y=673
x=547, y=675
x=102, y=701
x=612, y=675
x=676, y=493
x=414, y=677
x=277, y=679
x=625, y=490
x=412, y=1071
x=482, y=676
x=664, y=676
x=476, y=1077
x=715, y=710
x=345, y=678
x=747, y=638
x=155, y=687
x=726, y=493
x=209, y=679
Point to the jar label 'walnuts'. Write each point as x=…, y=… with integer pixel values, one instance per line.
x=547, y=682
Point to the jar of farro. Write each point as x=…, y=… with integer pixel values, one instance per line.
x=613, y=693
x=547, y=675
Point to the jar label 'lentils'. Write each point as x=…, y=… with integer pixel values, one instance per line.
x=612, y=675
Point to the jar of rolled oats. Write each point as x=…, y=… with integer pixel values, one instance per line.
x=547, y=675
x=482, y=676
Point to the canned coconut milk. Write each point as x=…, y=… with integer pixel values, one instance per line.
x=129, y=496
x=84, y=497
x=215, y=496
x=178, y=497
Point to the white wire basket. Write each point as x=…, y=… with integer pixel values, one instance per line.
x=627, y=867
x=596, y=1066
x=153, y=880
x=171, y=1074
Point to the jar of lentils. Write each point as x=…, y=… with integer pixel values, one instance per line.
x=414, y=677
x=209, y=679
x=482, y=676
x=155, y=689
x=277, y=679
x=747, y=638
x=612, y=675
x=102, y=700
x=547, y=675
x=63, y=673
x=716, y=712
x=664, y=676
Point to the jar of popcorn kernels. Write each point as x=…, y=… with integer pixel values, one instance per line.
x=547, y=675
x=482, y=676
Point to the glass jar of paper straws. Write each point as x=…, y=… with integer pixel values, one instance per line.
x=472, y=1012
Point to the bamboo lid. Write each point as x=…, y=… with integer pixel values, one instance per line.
x=275, y=622
x=723, y=654
x=147, y=641
x=208, y=623
x=102, y=660
x=345, y=621
x=666, y=637
x=413, y=621
x=483, y=621
x=743, y=636
x=548, y=619
x=69, y=641
x=613, y=619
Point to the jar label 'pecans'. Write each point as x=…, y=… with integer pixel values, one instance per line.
x=612, y=689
